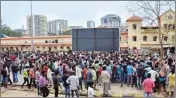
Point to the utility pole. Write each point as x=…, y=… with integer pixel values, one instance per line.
x=32, y=29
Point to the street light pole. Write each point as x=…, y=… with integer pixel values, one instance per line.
x=32, y=29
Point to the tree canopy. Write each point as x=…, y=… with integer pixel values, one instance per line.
x=8, y=31
x=67, y=33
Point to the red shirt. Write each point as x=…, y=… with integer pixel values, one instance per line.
x=100, y=69
x=13, y=58
x=45, y=68
x=84, y=73
x=148, y=85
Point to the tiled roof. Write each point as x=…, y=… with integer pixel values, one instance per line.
x=124, y=33
x=37, y=37
x=134, y=18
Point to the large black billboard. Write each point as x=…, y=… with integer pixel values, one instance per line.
x=95, y=39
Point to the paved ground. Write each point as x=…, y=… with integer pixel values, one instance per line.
x=115, y=90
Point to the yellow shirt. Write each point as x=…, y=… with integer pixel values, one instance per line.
x=171, y=79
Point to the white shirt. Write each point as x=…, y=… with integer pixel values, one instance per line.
x=90, y=92
x=73, y=81
x=49, y=73
x=78, y=72
x=154, y=74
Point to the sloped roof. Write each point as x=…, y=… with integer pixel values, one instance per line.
x=166, y=12
x=134, y=18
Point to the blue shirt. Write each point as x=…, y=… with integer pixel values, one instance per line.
x=109, y=70
x=118, y=69
x=130, y=70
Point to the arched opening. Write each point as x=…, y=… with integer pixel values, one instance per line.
x=144, y=38
x=165, y=38
x=134, y=38
x=155, y=38
x=134, y=26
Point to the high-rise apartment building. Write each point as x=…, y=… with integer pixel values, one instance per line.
x=111, y=21
x=39, y=25
x=57, y=26
x=90, y=24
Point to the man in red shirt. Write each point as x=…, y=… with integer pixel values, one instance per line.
x=148, y=85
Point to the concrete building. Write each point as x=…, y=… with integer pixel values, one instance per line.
x=90, y=24
x=146, y=38
x=39, y=25
x=75, y=27
x=57, y=26
x=41, y=43
x=111, y=21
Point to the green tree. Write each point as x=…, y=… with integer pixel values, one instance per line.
x=67, y=33
x=7, y=31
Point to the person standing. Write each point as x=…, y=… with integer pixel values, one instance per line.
x=43, y=84
x=154, y=76
x=74, y=84
x=55, y=84
x=4, y=77
x=109, y=70
x=79, y=74
x=65, y=84
x=129, y=74
x=171, y=79
x=84, y=75
x=37, y=77
x=89, y=76
x=105, y=77
x=148, y=85
x=49, y=77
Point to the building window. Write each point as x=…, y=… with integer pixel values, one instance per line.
x=170, y=26
x=68, y=47
x=134, y=38
x=144, y=38
x=173, y=37
x=61, y=47
x=170, y=17
x=173, y=27
x=55, y=47
x=46, y=41
x=165, y=38
x=155, y=38
x=56, y=41
x=134, y=26
x=165, y=25
x=120, y=38
x=52, y=41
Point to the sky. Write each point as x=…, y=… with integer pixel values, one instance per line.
x=14, y=13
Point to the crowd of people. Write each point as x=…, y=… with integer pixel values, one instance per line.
x=75, y=71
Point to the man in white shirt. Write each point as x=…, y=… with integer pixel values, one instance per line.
x=105, y=77
x=154, y=75
x=74, y=84
x=79, y=74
